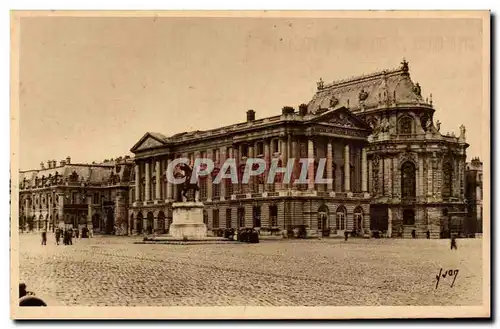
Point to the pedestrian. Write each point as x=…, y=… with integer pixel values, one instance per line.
x=346, y=235
x=428, y=234
x=91, y=232
x=44, y=238
x=70, y=237
x=58, y=235
x=77, y=233
x=453, y=243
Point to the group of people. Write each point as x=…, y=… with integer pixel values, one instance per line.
x=67, y=235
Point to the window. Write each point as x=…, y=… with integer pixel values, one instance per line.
x=229, y=186
x=405, y=125
x=241, y=217
x=215, y=189
x=408, y=183
x=358, y=218
x=340, y=218
x=259, y=149
x=215, y=219
x=74, y=197
x=447, y=179
x=203, y=187
x=273, y=215
x=244, y=151
x=256, y=216
x=275, y=146
x=228, y=218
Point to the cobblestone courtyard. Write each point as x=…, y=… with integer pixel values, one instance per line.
x=114, y=271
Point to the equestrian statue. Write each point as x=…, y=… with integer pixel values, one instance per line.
x=187, y=185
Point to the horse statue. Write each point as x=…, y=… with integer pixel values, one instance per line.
x=187, y=185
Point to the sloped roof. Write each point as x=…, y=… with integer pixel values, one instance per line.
x=389, y=86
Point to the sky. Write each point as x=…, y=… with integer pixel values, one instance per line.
x=91, y=87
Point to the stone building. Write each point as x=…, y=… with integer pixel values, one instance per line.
x=328, y=209
x=416, y=175
x=71, y=195
x=474, y=195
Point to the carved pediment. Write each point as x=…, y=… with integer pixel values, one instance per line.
x=149, y=143
x=341, y=119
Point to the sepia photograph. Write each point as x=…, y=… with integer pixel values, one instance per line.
x=250, y=164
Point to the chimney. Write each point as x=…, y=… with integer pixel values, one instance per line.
x=42, y=166
x=68, y=160
x=302, y=109
x=62, y=163
x=286, y=110
x=250, y=115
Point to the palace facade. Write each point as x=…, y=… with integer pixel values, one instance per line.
x=71, y=195
x=328, y=209
x=416, y=174
x=391, y=170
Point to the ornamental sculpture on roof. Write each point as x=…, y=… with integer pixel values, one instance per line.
x=320, y=84
x=404, y=66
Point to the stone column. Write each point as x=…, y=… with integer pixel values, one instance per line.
x=370, y=175
x=347, y=169
x=89, y=212
x=329, y=165
x=430, y=185
x=222, y=183
x=250, y=187
x=364, y=174
x=389, y=222
x=137, y=182
x=295, y=156
x=310, y=171
x=210, y=155
x=147, y=173
x=121, y=218
x=284, y=157
x=158, y=180
x=388, y=176
x=169, y=184
x=267, y=158
x=60, y=209
x=420, y=178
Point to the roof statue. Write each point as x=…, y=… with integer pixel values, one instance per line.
x=320, y=84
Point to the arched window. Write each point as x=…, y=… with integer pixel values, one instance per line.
x=408, y=181
x=228, y=218
x=405, y=125
x=358, y=218
x=341, y=218
x=447, y=179
x=241, y=217
x=323, y=224
x=256, y=216
x=273, y=215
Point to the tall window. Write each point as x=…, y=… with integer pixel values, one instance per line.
x=215, y=219
x=358, y=218
x=447, y=179
x=273, y=215
x=256, y=216
x=340, y=218
x=241, y=217
x=408, y=181
x=228, y=218
x=205, y=217
x=405, y=125
x=215, y=189
x=203, y=187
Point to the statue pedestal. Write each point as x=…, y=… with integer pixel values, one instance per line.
x=187, y=221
